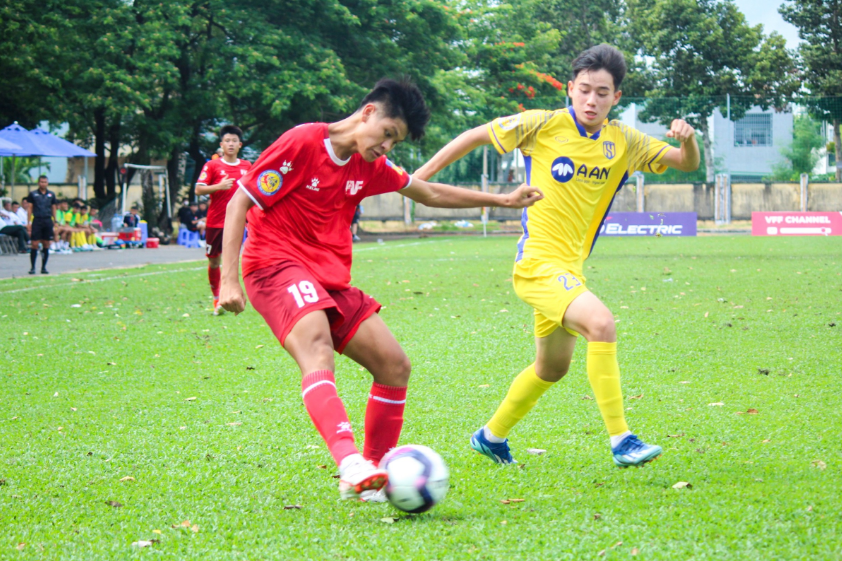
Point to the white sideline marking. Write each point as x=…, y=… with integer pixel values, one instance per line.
x=101, y=280
x=383, y=246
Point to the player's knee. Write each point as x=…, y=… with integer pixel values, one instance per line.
x=551, y=372
x=321, y=347
x=601, y=327
x=401, y=371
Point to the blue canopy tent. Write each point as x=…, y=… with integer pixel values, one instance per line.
x=38, y=142
x=8, y=148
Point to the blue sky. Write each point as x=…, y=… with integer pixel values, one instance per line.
x=766, y=13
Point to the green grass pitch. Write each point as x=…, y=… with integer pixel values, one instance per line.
x=127, y=410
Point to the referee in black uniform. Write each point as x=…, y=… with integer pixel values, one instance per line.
x=42, y=209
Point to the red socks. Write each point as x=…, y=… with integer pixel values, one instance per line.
x=383, y=420
x=383, y=416
x=213, y=279
x=328, y=413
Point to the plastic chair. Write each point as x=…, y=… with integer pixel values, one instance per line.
x=188, y=238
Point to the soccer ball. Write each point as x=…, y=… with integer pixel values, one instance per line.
x=417, y=478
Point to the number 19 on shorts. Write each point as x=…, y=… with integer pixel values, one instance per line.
x=304, y=293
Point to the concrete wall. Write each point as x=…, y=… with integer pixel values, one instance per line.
x=688, y=197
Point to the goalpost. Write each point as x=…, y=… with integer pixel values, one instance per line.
x=162, y=179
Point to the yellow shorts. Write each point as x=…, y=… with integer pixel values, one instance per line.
x=549, y=288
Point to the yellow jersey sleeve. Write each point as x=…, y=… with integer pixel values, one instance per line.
x=644, y=152
x=518, y=131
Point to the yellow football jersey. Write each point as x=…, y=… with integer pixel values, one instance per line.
x=579, y=175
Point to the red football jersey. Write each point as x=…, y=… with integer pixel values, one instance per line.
x=305, y=199
x=214, y=172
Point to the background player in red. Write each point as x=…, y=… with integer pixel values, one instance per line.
x=218, y=179
x=300, y=198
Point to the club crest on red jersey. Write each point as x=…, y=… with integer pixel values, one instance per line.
x=269, y=182
x=203, y=176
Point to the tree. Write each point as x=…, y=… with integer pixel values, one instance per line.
x=506, y=57
x=802, y=153
x=819, y=24
x=703, y=50
x=31, y=56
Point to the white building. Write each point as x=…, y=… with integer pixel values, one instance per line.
x=748, y=148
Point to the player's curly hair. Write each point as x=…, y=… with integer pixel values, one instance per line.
x=401, y=100
x=231, y=129
x=602, y=57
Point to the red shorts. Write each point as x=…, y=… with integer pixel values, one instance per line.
x=286, y=292
x=213, y=242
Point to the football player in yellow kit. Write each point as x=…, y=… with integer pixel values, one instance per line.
x=579, y=160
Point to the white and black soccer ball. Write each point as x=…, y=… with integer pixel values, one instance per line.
x=418, y=478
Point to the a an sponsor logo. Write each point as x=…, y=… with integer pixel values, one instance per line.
x=353, y=187
x=269, y=182
x=314, y=184
x=286, y=168
x=508, y=123
x=562, y=169
x=608, y=149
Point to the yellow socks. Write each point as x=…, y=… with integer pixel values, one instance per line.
x=522, y=397
x=604, y=376
x=527, y=388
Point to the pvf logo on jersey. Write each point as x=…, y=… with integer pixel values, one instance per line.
x=562, y=169
x=353, y=187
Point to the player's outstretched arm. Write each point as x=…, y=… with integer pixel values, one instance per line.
x=687, y=157
x=231, y=295
x=456, y=149
x=440, y=195
x=223, y=185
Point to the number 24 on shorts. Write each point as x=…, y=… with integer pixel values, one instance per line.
x=570, y=282
x=303, y=292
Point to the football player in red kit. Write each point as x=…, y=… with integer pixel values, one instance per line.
x=219, y=180
x=300, y=198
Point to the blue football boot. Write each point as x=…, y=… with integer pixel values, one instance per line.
x=634, y=452
x=497, y=451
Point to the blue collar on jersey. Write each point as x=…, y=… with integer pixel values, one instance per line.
x=579, y=126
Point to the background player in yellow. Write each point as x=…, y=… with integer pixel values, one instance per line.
x=579, y=160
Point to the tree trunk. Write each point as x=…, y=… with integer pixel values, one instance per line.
x=838, y=147
x=709, y=171
x=114, y=154
x=99, y=148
